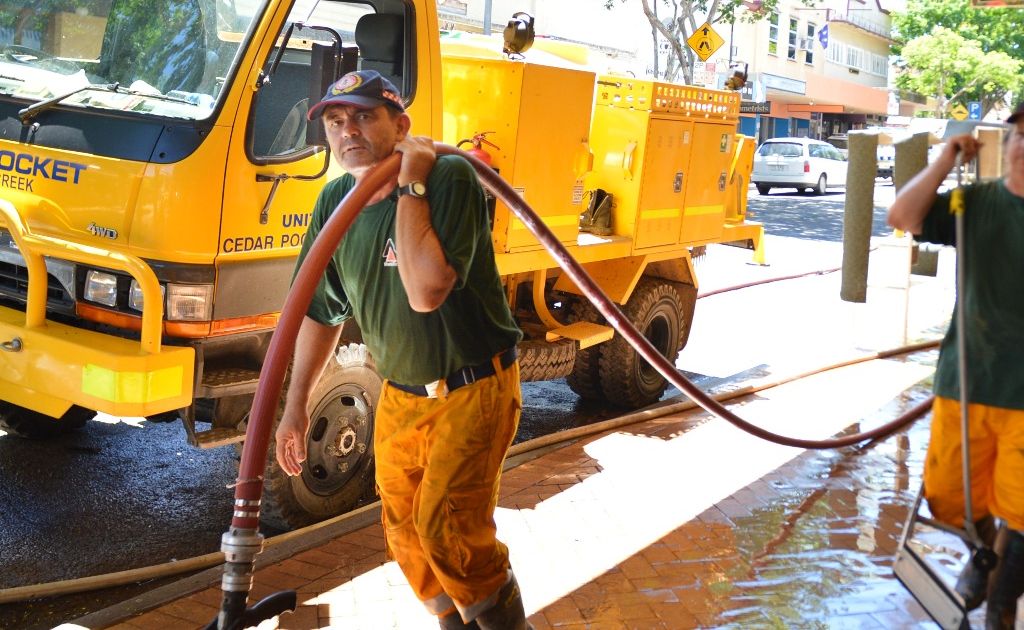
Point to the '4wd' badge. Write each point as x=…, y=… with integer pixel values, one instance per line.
x=99, y=230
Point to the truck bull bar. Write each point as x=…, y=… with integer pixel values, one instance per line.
x=47, y=366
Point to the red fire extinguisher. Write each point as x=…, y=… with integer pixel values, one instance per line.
x=478, y=140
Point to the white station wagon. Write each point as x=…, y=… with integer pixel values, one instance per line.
x=800, y=163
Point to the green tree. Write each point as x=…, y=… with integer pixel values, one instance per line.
x=953, y=69
x=997, y=30
x=675, y=20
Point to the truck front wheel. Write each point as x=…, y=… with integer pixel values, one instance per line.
x=339, y=467
x=32, y=425
x=657, y=310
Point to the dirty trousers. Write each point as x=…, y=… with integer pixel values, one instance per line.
x=438, y=466
x=996, y=437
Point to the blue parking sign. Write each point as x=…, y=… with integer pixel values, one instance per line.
x=974, y=110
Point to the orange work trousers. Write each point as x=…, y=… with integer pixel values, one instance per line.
x=439, y=463
x=996, y=438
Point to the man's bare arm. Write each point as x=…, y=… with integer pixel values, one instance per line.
x=915, y=199
x=314, y=346
x=427, y=276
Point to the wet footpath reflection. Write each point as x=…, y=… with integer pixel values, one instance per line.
x=820, y=552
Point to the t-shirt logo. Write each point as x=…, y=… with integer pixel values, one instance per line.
x=390, y=254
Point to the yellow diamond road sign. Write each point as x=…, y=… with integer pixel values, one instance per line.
x=959, y=112
x=705, y=41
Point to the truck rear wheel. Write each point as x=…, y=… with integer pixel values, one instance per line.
x=585, y=378
x=657, y=310
x=339, y=467
x=32, y=425
x=541, y=360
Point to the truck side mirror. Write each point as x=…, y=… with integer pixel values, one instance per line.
x=323, y=71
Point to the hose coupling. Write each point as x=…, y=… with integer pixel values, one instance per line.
x=241, y=545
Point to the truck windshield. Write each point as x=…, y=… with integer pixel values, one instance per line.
x=172, y=58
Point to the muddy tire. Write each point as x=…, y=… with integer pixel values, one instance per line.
x=32, y=425
x=658, y=311
x=544, y=361
x=585, y=378
x=822, y=187
x=339, y=469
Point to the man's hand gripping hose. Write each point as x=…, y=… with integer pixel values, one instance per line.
x=243, y=541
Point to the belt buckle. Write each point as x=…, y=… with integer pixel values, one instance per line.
x=437, y=389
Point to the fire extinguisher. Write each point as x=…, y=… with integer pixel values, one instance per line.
x=478, y=140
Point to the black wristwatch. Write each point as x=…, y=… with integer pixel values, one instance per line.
x=414, y=189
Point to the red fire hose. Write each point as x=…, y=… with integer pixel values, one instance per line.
x=243, y=541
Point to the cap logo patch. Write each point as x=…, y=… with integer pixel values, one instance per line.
x=346, y=84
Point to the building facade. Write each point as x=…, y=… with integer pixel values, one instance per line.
x=817, y=71
x=813, y=71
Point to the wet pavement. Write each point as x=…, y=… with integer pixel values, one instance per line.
x=683, y=521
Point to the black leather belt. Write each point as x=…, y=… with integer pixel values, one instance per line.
x=464, y=376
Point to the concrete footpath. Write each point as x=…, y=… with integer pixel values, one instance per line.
x=678, y=521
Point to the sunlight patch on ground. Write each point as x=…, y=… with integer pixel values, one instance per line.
x=109, y=419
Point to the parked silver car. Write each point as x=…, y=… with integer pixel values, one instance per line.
x=800, y=163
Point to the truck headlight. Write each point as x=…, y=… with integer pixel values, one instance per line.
x=101, y=287
x=135, y=295
x=189, y=302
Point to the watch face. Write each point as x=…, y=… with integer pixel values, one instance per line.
x=418, y=188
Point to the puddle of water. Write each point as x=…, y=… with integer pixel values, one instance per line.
x=823, y=550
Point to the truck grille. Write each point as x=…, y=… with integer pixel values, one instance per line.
x=14, y=279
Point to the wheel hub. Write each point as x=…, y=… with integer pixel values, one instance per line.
x=338, y=438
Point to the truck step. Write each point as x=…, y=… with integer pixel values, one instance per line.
x=221, y=436
x=221, y=382
x=586, y=333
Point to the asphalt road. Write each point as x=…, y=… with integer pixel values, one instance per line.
x=125, y=493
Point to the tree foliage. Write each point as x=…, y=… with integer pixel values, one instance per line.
x=675, y=20
x=997, y=33
x=953, y=69
x=997, y=30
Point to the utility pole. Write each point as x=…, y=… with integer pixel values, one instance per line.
x=487, y=17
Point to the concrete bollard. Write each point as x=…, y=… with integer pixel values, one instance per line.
x=858, y=215
x=910, y=159
x=990, y=156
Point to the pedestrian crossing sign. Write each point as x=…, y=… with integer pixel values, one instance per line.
x=705, y=41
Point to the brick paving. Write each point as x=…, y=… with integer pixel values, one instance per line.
x=679, y=522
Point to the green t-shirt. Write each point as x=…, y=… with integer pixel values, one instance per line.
x=362, y=281
x=993, y=295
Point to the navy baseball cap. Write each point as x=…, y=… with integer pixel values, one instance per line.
x=1017, y=113
x=364, y=89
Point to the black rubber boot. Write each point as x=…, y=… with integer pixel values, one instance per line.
x=1007, y=583
x=453, y=621
x=972, y=584
x=507, y=613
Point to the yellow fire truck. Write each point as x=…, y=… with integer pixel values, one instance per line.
x=157, y=176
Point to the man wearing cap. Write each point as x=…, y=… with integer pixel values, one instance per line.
x=417, y=272
x=993, y=296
